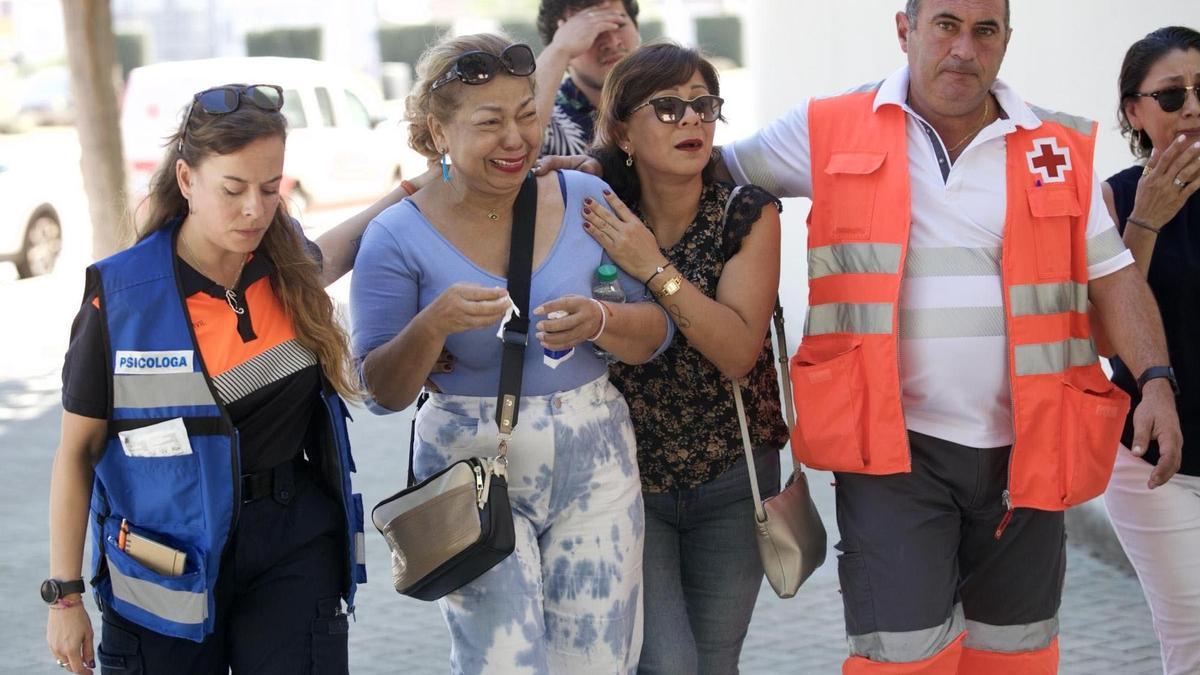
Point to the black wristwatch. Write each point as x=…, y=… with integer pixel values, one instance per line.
x=1155, y=372
x=54, y=590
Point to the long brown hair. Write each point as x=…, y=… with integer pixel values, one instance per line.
x=654, y=66
x=296, y=280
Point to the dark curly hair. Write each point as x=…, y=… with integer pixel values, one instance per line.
x=1140, y=58
x=551, y=11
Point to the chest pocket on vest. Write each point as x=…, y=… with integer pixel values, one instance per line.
x=1055, y=211
x=854, y=181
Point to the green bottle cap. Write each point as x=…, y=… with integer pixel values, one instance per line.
x=606, y=272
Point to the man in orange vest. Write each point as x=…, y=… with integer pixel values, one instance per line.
x=957, y=241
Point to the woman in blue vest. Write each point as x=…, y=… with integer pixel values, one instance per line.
x=203, y=434
x=1156, y=207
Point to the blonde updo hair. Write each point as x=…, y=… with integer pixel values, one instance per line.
x=421, y=102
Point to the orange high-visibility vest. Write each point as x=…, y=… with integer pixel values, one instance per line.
x=1067, y=416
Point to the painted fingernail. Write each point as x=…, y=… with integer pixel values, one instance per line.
x=587, y=211
x=587, y=225
x=1181, y=138
x=587, y=200
x=608, y=192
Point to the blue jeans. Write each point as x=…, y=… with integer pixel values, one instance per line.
x=702, y=570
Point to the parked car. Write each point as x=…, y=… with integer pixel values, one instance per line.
x=30, y=229
x=46, y=99
x=340, y=150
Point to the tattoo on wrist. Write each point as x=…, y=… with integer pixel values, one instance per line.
x=677, y=315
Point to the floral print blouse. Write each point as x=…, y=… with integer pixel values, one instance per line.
x=682, y=406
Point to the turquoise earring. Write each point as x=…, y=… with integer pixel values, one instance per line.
x=445, y=169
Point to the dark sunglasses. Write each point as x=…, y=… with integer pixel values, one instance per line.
x=670, y=109
x=481, y=67
x=1171, y=98
x=226, y=99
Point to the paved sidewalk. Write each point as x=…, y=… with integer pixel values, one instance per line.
x=1105, y=622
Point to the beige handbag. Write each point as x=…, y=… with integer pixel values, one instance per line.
x=791, y=536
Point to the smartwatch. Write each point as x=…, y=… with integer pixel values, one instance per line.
x=1155, y=372
x=54, y=590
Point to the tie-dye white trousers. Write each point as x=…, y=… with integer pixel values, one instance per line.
x=569, y=600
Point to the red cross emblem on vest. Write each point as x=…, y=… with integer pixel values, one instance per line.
x=1050, y=162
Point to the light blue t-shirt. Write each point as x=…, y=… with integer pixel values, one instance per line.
x=404, y=263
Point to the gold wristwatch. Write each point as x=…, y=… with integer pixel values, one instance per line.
x=671, y=286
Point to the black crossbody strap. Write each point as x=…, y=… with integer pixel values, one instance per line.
x=516, y=331
x=781, y=352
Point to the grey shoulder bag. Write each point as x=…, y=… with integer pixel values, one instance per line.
x=791, y=536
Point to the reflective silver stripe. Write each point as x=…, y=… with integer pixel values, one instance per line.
x=172, y=605
x=1054, y=357
x=845, y=317
x=952, y=261
x=1011, y=639
x=951, y=322
x=1104, y=246
x=1029, y=299
x=360, y=548
x=853, y=259
x=909, y=646
x=157, y=391
x=754, y=159
x=1080, y=124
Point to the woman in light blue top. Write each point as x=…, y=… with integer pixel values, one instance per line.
x=430, y=275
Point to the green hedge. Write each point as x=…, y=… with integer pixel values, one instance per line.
x=293, y=42
x=131, y=52
x=407, y=43
x=651, y=29
x=720, y=36
x=523, y=31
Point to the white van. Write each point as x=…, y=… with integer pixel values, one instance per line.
x=340, y=149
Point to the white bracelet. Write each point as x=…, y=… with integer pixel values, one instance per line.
x=603, y=321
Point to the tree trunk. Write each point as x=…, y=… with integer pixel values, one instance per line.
x=91, y=50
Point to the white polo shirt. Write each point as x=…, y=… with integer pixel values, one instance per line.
x=953, y=349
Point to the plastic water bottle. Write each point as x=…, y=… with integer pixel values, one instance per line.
x=606, y=288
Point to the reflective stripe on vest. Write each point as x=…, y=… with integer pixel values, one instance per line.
x=179, y=606
x=843, y=317
x=161, y=391
x=1033, y=299
x=853, y=259
x=1054, y=357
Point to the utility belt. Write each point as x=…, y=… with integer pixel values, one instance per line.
x=278, y=481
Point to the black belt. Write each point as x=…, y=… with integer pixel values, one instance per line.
x=279, y=480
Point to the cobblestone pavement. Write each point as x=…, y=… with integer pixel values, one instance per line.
x=1105, y=622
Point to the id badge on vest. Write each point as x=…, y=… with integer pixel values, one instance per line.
x=165, y=439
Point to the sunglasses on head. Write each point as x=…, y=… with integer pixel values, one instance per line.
x=670, y=109
x=226, y=99
x=481, y=67
x=1171, y=99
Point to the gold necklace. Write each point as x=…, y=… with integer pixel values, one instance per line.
x=231, y=297
x=987, y=108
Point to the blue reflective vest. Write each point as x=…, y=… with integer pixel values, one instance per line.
x=183, y=495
